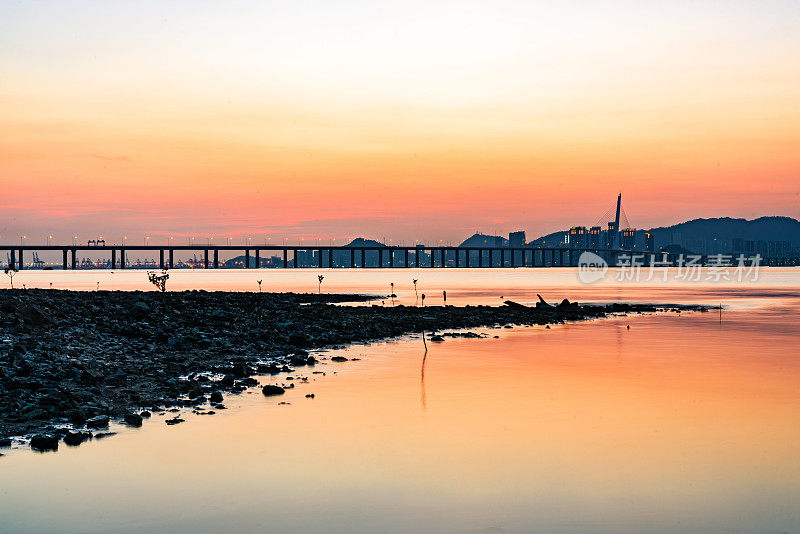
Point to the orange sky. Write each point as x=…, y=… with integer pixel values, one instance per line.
x=402, y=121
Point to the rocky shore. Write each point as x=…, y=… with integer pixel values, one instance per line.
x=71, y=362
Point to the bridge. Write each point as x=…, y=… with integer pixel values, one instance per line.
x=289, y=256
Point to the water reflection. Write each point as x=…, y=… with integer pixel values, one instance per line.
x=684, y=422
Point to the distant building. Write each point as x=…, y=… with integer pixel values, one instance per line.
x=578, y=237
x=611, y=234
x=649, y=242
x=516, y=239
x=628, y=238
x=595, y=233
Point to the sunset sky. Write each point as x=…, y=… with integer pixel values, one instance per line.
x=404, y=120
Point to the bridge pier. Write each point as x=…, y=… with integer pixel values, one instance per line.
x=122, y=258
x=285, y=258
x=258, y=258
x=74, y=259
x=171, y=258
x=113, y=258
x=64, y=259
x=205, y=258
x=161, y=259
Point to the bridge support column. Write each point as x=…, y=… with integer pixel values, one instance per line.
x=13, y=263
x=258, y=258
x=64, y=259
x=294, y=258
x=352, y=257
x=171, y=258
x=161, y=259
x=113, y=258
x=74, y=259
x=285, y=258
x=416, y=258
x=122, y=258
x=405, y=261
x=205, y=258
x=21, y=261
x=216, y=258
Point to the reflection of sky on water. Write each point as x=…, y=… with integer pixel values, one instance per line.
x=680, y=423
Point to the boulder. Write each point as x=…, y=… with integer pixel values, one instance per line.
x=270, y=390
x=73, y=439
x=101, y=421
x=133, y=419
x=140, y=309
x=44, y=442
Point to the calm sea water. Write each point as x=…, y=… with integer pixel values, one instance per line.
x=682, y=423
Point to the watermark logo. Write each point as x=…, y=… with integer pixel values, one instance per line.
x=683, y=268
x=591, y=268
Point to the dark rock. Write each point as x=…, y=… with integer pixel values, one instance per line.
x=437, y=339
x=215, y=396
x=174, y=421
x=44, y=442
x=116, y=379
x=338, y=359
x=270, y=390
x=5, y=442
x=145, y=414
x=73, y=439
x=298, y=361
x=299, y=339
x=76, y=416
x=101, y=435
x=310, y=396
x=133, y=419
x=101, y=421
x=140, y=309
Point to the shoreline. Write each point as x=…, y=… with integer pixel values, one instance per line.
x=73, y=361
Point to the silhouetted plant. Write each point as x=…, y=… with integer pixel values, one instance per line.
x=158, y=280
x=319, y=287
x=11, y=272
x=423, y=299
x=259, y=285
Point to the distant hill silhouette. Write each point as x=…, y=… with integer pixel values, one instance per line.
x=363, y=242
x=727, y=229
x=773, y=236
x=484, y=241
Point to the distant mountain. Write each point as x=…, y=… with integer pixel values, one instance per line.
x=484, y=241
x=727, y=229
x=768, y=236
x=362, y=242
x=550, y=240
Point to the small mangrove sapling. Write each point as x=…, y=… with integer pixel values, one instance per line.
x=11, y=272
x=158, y=280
